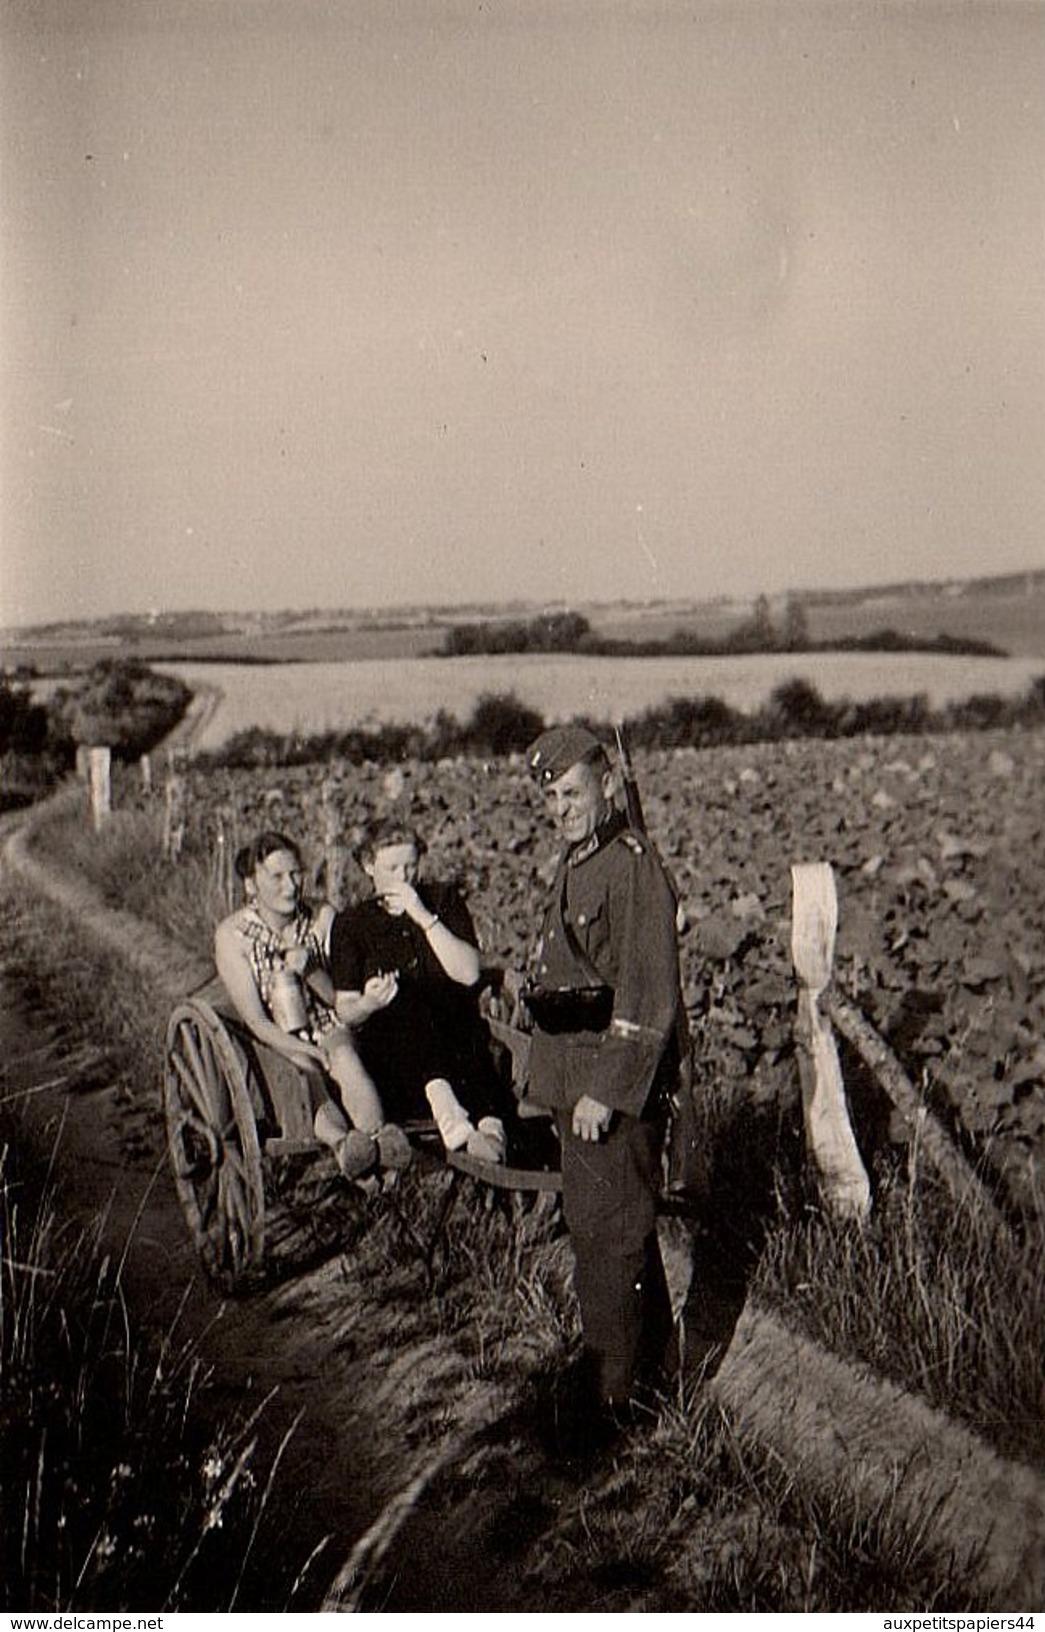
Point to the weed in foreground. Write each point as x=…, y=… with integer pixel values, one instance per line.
x=122, y=1490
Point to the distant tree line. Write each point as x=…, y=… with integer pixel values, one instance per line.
x=500, y=725
x=550, y=632
x=572, y=632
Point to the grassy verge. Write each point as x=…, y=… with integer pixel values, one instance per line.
x=940, y=1298
x=123, y=864
x=694, y=1518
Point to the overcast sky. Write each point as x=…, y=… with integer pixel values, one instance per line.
x=358, y=302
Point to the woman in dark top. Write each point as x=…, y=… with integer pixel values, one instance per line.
x=405, y=968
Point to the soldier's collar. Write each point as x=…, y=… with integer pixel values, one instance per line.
x=604, y=834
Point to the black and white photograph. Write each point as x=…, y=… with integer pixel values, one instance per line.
x=522, y=853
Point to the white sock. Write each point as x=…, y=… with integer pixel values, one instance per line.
x=492, y=1129
x=451, y=1118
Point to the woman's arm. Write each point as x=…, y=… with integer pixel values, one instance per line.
x=459, y=958
x=237, y=976
x=355, y=1007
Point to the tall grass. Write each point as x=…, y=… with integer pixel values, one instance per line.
x=124, y=863
x=938, y=1296
x=121, y=1488
x=685, y=1516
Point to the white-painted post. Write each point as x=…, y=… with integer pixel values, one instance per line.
x=83, y=763
x=829, y=1134
x=101, y=785
x=145, y=767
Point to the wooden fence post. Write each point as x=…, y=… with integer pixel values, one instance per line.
x=829, y=1134
x=333, y=851
x=935, y=1143
x=225, y=861
x=101, y=785
x=173, y=812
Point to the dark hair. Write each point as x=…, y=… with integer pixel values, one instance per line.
x=381, y=834
x=265, y=844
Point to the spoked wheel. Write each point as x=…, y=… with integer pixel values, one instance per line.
x=212, y=1137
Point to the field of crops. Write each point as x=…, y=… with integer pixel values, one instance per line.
x=938, y=850
x=309, y=698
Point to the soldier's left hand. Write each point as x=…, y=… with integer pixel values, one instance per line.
x=591, y=1119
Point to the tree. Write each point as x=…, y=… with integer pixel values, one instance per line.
x=23, y=723
x=755, y=634
x=124, y=705
x=796, y=709
x=762, y=628
x=796, y=625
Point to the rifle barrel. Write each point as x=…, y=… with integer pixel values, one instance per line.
x=632, y=797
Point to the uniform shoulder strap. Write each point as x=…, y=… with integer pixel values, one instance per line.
x=571, y=939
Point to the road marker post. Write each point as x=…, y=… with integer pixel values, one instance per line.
x=830, y=1140
x=100, y=770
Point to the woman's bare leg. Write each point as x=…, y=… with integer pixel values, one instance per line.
x=359, y=1096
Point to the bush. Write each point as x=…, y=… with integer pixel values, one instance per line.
x=887, y=716
x=122, y=705
x=796, y=709
x=684, y=722
x=982, y=712
x=502, y=725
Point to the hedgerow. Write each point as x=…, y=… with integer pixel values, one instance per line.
x=502, y=724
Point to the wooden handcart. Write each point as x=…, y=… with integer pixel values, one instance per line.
x=232, y=1103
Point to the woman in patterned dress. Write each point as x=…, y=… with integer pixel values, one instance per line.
x=272, y=956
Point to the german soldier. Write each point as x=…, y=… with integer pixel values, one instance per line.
x=606, y=1004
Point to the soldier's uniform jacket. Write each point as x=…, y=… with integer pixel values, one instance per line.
x=612, y=895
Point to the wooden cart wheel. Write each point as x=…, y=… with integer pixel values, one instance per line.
x=212, y=1137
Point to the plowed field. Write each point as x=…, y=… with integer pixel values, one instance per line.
x=937, y=845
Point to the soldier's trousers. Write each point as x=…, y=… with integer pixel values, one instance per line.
x=609, y=1192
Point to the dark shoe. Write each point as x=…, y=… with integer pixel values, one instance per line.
x=356, y=1154
x=575, y=1428
x=393, y=1146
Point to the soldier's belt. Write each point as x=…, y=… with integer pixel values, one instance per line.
x=569, y=1008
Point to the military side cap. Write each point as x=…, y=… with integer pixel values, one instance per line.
x=556, y=750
